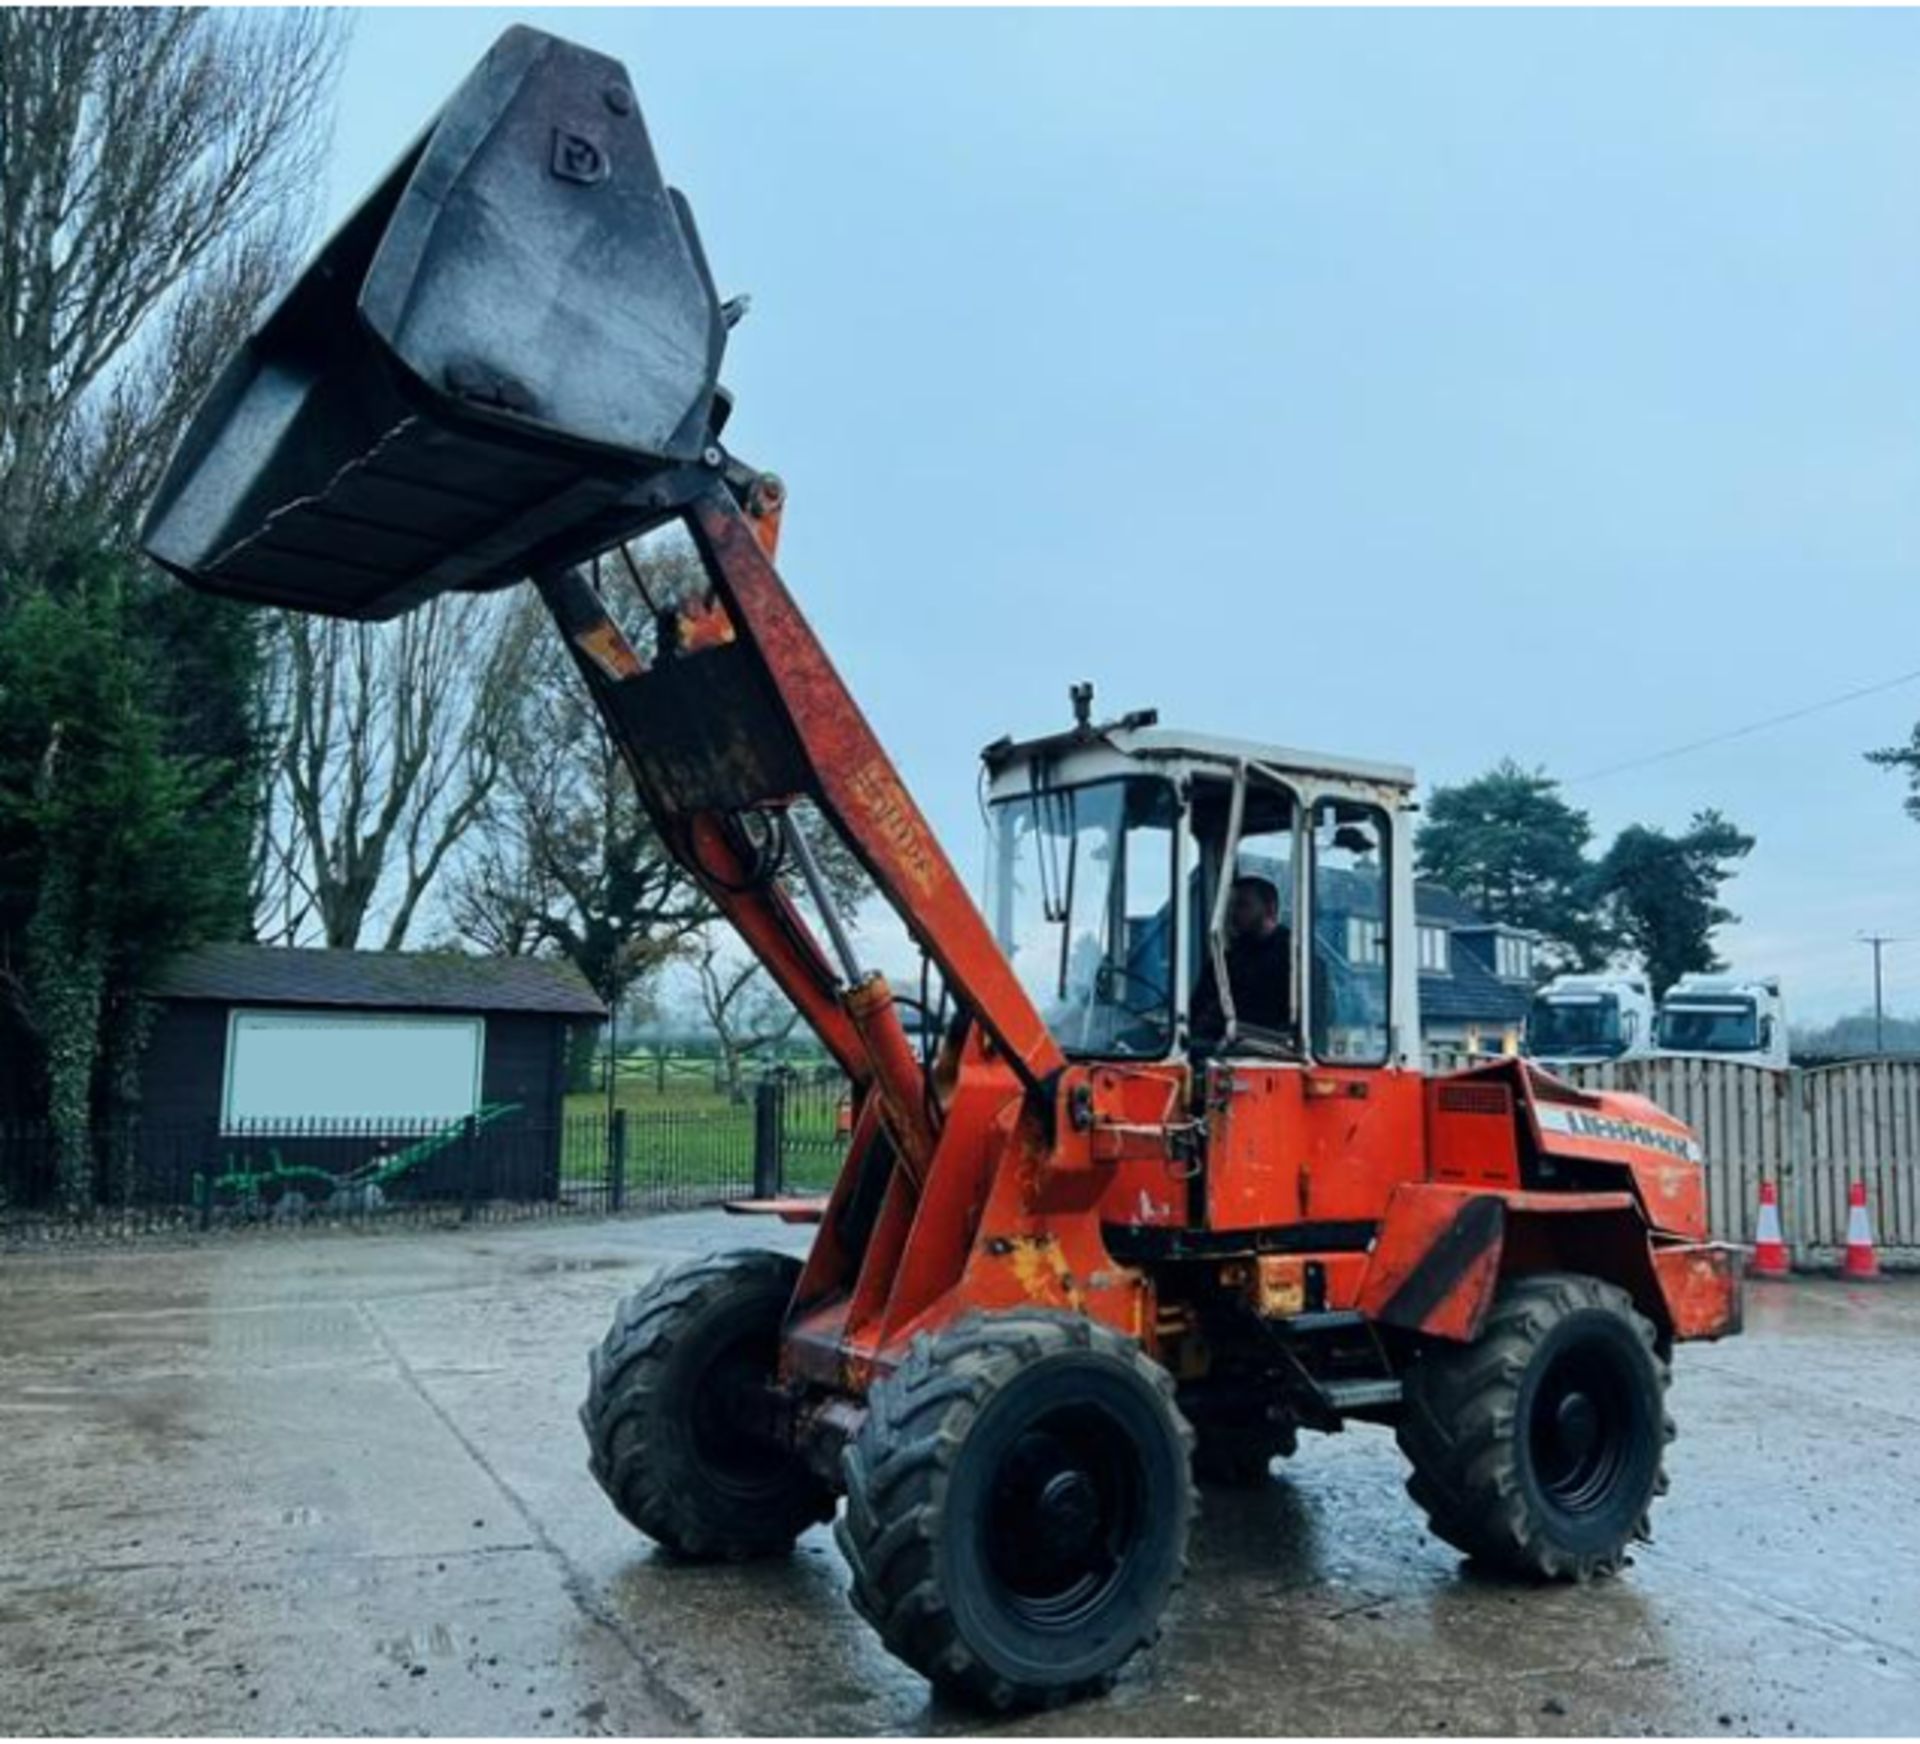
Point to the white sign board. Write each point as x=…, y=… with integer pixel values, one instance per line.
x=350, y=1066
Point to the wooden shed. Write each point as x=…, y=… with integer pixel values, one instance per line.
x=421, y=1070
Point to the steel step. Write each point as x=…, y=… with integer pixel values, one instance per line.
x=1358, y=1395
x=1326, y=1320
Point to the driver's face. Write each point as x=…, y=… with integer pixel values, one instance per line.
x=1247, y=912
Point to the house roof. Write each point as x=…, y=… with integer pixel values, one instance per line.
x=236, y=974
x=1435, y=902
x=1468, y=992
x=1472, y=994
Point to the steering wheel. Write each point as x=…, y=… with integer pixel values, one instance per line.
x=1109, y=972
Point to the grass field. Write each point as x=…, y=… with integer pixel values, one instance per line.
x=683, y=1129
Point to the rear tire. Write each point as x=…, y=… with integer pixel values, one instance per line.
x=1018, y=1506
x=667, y=1439
x=1538, y=1448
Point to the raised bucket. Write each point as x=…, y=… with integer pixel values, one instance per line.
x=481, y=373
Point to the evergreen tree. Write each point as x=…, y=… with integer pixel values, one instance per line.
x=115, y=844
x=1662, y=893
x=1514, y=848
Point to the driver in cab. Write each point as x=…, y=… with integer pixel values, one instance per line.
x=1259, y=956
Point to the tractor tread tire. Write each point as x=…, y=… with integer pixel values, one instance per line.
x=897, y=1472
x=1458, y=1431
x=637, y=1406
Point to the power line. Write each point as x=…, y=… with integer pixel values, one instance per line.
x=1799, y=714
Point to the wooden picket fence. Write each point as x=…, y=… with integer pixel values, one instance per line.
x=1814, y=1131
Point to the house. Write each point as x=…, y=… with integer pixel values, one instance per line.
x=412, y=1075
x=1476, y=975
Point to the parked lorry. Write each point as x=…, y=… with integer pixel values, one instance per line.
x=1100, y=1237
x=1582, y=1020
x=1724, y=1017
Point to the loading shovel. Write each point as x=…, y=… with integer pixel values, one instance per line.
x=505, y=361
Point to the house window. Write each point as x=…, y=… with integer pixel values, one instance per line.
x=1366, y=942
x=1513, y=958
x=1434, y=959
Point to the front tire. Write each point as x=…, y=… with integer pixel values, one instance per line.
x=669, y=1435
x=1538, y=1449
x=1018, y=1507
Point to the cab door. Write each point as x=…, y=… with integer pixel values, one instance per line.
x=1362, y=1116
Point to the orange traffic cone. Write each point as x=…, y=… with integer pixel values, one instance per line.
x=1861, y=1261
x=1769, y=1245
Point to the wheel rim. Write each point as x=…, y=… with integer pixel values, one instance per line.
x=1062, y=1520
x=1583, y=1428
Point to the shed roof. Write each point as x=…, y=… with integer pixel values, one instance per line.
x=236, y=974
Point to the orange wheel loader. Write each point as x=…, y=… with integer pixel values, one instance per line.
x=1125, y=1217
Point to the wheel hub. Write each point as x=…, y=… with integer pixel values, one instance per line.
x=1061, y=1516
x=1583, y=1429
x=730, y=1414
x=1067, y=1514
x=1576, y=1425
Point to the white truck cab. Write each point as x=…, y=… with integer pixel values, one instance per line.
x=1724, y=1017
x=1581, y=1020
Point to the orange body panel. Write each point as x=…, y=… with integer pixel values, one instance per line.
x=1139, y=1139
x=1438, y=1258
x=1471, y=1138
x=1005, y=1216
x=1292, y=1144
x=1442, y=1251
x=792, y=1208
x=1701, y=1286
x=1283, y=1277
x=1628, y=1132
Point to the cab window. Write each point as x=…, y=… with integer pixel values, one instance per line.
x=1257, y=920
x=1352, y=938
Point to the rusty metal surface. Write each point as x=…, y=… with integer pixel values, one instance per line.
x=1702, y=1288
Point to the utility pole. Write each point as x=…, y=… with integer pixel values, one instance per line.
x=1879, y=942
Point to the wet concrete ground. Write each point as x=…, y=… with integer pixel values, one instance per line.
x=335, y=1485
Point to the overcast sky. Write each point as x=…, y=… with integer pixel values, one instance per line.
x=1427, y=386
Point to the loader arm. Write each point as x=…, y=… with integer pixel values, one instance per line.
x=506, y=364
x=735, y=721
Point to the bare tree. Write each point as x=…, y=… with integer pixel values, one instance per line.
x=567, y=860
x=743, y=1008
x=157, y=170
x=391, y=738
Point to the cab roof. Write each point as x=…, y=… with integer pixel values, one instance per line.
x=1140, y=736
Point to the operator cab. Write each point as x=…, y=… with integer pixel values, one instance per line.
x=1164, y=894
